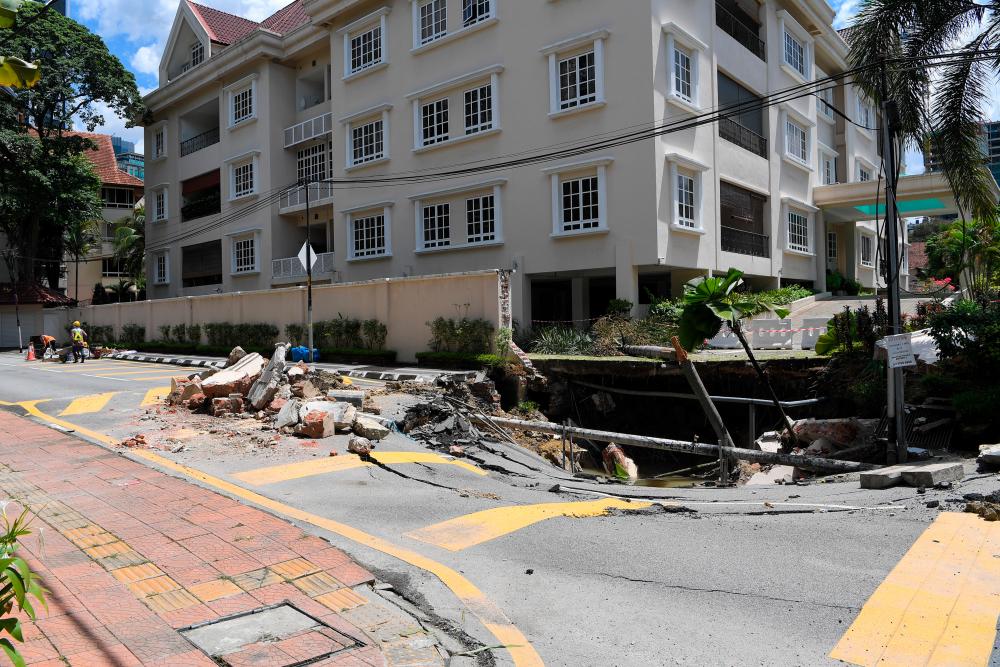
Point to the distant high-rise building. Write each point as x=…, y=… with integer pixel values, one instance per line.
x=989, y=143
x=133, y=164
x=122, y=146
x=61, y=6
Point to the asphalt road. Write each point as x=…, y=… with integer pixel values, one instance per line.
x=735, y=582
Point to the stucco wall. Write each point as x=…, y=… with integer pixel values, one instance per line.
x=404, y=305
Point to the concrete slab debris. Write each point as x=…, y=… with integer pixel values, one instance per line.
x=883, y=478
x=370, y=428
x=933, y=473
x=343, y=414
x=289, y=415
x=355, y=397
x=359, y=445
x=266, y=386
x=238, y=378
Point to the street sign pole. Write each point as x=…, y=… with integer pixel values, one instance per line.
x=309, y=276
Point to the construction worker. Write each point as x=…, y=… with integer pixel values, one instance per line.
x=79, y=337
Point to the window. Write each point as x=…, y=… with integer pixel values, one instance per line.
x=161, y=269
x=117, y=197
x=243, y=183
x=242, y=102
x=685, y=201
x=368, y=237
x=434, y=122
x=366, y=49
x=798, y=231
x=682, y=74
x=480, y=217
x=828, y=164
x=580, y=198
x=867, y=250
x=825, y=105
x=577, y=81
x=367, y=142
x=159, y=205
x=864, y=172
x=576, y=73
x=479, y=109
x=111, y=267
x=831, y=246
x=245, y=253
x=796, y=141
x=197, y=54
x=433, y=20
x=201, y=264
x=437, y=225
x=159, y=142
x=795, y=54
x=866, y=115
x=474, y=11
x=311, y=163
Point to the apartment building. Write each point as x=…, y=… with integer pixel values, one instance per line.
x=989, y=143
x=360, y=90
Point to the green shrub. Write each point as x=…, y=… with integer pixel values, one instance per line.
x=296, y=333
x=101, y=335
x=165, y=332
x=470, y=336
x=834, y=281
x=224, y=334
x=374, y=334
x=666, y=310
x=132, y=334
x=463, y=360
x=341, y=333
x=18, y=584
x=194, y=334
x=220, y=334
x=179, y=333
x=561, y=340
x=619, y=308
x=969, y=331
x=784, y=295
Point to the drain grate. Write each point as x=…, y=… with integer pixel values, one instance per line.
x=280, y=635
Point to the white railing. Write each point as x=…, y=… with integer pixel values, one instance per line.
x=319, y=193
x=291, y=267
x=310, y=129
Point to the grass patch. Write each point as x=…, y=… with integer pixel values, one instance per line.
x=460, y=360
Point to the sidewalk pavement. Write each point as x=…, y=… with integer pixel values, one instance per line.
x=131, y=557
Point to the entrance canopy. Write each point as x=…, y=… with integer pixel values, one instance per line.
x=917, y=196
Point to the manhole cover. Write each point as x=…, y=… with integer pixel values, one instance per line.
x=280, y=635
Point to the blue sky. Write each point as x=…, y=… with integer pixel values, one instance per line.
x=135, y=31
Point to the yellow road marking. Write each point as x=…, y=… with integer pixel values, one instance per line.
x=87, y=404
x=154, y=396
x=472, y=529
x=938, y=606
x=288, y=471
x=492, y=617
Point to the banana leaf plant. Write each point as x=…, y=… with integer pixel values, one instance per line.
x=18, y=585
x=712, y=302
x=14, y=72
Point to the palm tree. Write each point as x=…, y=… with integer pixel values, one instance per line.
x=79, y=238
x=130, y=243
x=941, y=98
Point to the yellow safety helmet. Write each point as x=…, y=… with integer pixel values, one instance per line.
x=77, y=323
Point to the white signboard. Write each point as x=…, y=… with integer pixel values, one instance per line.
x=302, y=256
x=900, y=351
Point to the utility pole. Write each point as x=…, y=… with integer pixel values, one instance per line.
x=895, y=398
x=309, y=275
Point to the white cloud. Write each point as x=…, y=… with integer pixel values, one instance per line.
x=116, y=126
x=846, y=11
x=146, y=60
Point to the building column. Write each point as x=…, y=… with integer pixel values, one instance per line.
x=579, y=298
x=520, y=294
x=626, y=275
x=850, y=231
x=820, y=283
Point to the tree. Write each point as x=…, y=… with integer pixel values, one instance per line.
x=79, y=77
x=968, y=252
x=79, y=238
x=130, y=243
x=941, y=103
x=711, y=302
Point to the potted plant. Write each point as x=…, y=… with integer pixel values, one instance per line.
x=835, y=283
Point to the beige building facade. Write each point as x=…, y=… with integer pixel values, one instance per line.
x=433, y=94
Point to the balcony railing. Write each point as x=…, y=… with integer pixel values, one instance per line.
x=319, y=193
x=207, y=204
x=743, y=137
x=740, y=31
x=746, y=243
x=203, y=140
x=310, y=129
x=291, y=267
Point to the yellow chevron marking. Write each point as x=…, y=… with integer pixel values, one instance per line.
x=87, y=404
x=154, y=396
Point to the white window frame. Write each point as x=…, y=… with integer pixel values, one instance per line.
x=863, y=235
x=163, y=279
x=245, y=84
x=197, y=49
x=482, y=21
x=567, y=172
x=832, y=249
x=377, y=19
x=860, y=165
x=438, y=22
x=312, y=163
x=825, y=99
x=679, y=39
x=383, y=209
x=491, y=12
x=789, y=26
x=827, y=157
x=477, y=94
x=159, y=141
x=157, y=192
x=473, y=81
x=680, y=165
x=791, y=207
x=865, y=113
x=904, y=260
x=252, y=235
x=361, y=119
x=253, y=160
x=459, y=198
x=575, y=47
x=790, y=115
x=482, y=237
x=437, y=214
x=435, y=121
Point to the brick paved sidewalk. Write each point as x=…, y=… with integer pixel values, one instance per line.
x=131, y=555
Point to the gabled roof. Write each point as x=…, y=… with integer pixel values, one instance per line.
x=225, y=28
x=32, y=294
x=105, y=161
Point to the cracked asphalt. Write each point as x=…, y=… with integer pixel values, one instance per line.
x=735, y=582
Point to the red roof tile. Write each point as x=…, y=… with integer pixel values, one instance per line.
x=104, y=160
x=917, y=256
x=32, y=294
x=286, y=19
x=226, y=28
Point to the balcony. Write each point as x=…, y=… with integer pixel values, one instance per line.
x=743, y=137
x=290, y=268
x=740, y=31
x=203, y=140
x=310, y=129
x=746, y=243
x=294, y=201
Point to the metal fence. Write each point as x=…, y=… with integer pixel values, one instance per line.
x=746, y=243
